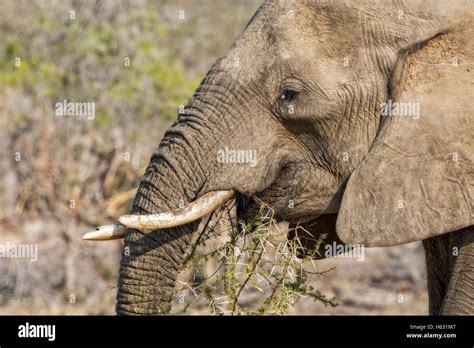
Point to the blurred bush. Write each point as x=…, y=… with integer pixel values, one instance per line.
x=138, y=61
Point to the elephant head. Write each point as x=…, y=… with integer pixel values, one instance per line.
x=293, y=115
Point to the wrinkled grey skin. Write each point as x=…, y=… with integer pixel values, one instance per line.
x=285, y=90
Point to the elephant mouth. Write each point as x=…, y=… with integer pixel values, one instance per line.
x=274, y=202
x=286, y=199
x=258, y=208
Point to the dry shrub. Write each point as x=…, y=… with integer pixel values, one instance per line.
x=249, y=269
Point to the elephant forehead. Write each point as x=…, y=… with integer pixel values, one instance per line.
x=290, y=38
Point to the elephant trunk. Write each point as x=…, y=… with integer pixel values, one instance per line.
x=185, y=165
x=151, y=261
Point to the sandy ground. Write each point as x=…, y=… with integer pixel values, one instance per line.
x=388, y=281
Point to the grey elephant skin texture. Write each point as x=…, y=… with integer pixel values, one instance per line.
x=358, y=112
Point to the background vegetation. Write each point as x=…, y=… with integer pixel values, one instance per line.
x=138, y=61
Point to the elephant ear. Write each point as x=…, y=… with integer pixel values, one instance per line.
x=417, y=180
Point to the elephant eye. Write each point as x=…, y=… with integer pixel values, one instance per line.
x=289, y=95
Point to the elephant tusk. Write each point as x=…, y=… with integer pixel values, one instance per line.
x=181, y=216
x=202, y=207
x=106, y=232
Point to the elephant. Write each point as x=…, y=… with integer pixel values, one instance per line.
x=358, y=112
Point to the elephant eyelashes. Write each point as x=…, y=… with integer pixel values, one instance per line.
x=289, y=95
